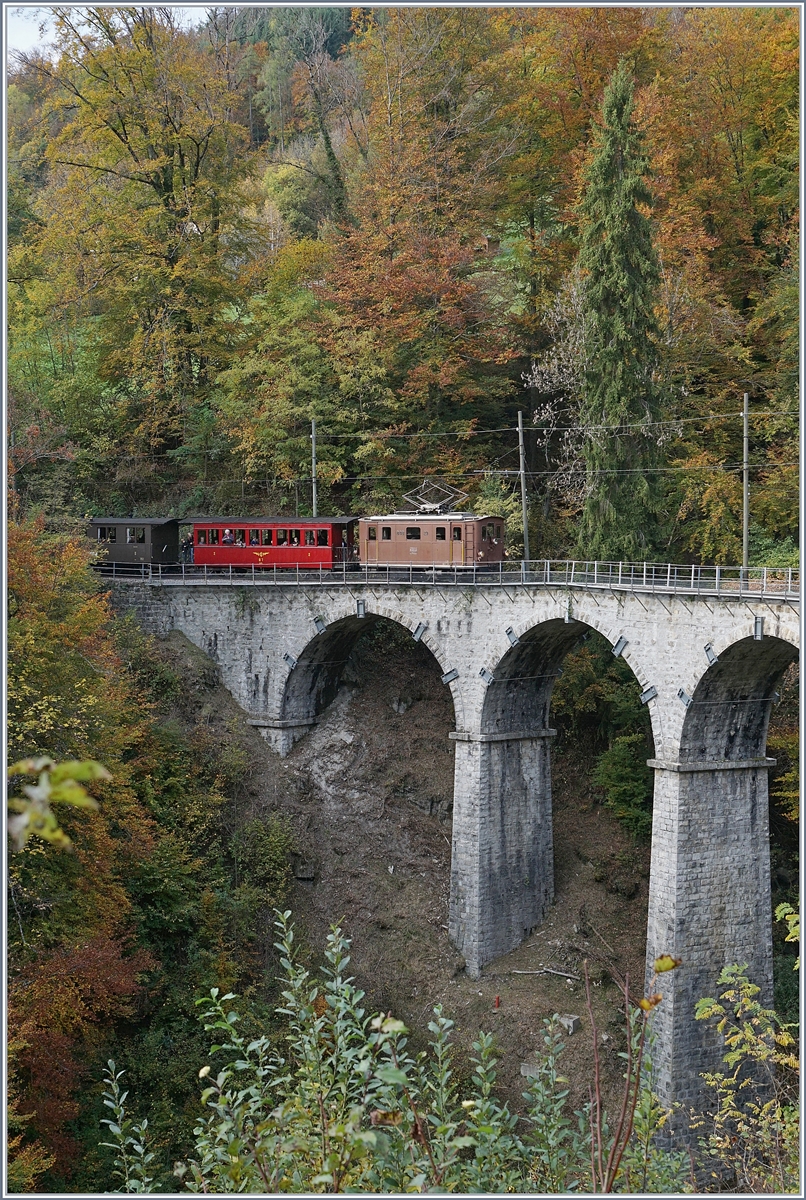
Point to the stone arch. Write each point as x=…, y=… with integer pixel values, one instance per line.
x=729, y=712
x=534, y=663
x=313, y=681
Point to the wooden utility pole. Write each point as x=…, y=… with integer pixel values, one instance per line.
x=746, y=486
x=523, y=489
x=313, y=467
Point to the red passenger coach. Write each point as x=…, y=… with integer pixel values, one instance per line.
x=273, y=541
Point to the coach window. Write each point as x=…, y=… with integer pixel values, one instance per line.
x=386, y=533
x=282, y=537
x=254, y=537
x=201, y=537
x=309, y=538
x=372, y=533
x=135, y=535
x=321, y=537
x=213, y=537
x=412, y=533
x=267, y=536
x=294, y=537
x=440, y=533
x=457, y=533
x=240, y=537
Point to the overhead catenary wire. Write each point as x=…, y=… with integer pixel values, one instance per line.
x=353, y=479
x=387, y=435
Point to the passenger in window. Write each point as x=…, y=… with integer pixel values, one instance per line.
x=240, y=538
x=129, y=537
x=228, y=539
x=294, y=537
x=308, y=537
x=254, y=537
x=201, y=538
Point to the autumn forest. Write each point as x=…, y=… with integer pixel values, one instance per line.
x=407, y=225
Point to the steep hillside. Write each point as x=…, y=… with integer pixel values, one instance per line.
x=368, y=793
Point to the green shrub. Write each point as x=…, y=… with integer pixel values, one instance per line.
x=623, y=773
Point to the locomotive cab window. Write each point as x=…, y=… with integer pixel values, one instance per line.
x=372, y=533
x=386, y=533
x=135, y=535
x=309, y=538
x=321, y=537
x=484, y=533
x=440, y=533
x=498, y=532
x=282, y=537
x=267, y=536
x=457, y=533
x=412, y=533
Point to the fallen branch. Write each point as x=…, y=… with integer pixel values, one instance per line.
x=547, y=971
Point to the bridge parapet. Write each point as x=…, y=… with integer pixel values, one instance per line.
x=666, y=578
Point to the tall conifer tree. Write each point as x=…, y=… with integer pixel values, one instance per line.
x=620, y=391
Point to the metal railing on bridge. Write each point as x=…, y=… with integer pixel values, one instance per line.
x=778, y=583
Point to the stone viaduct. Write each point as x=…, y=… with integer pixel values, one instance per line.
x=707, y=665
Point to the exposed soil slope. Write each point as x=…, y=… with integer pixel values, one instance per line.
x=369, y=792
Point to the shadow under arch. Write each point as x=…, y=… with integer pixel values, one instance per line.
x=314, y=681
x=503, y=861
x=730, y=710
x=519, y=697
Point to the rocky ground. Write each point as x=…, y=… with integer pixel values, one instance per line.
x=368, y=792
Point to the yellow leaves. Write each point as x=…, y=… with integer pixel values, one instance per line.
x=666, y=963
x=649, y=1002
x=58, y=783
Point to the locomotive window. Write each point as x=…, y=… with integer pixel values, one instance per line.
x=484, y=533
x=201, y=537
x=213, y=537
x=490, y=532
x=309, y=538
x=386, y=533
x=294, y=537
x=372, y=533
x=254, y=537
x=457, y=533
x=498, y=532
x=321, y=537
x=412, y=533
x=282, y=537
x=440, y=533
x=267, y=536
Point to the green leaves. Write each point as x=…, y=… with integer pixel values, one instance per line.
x=57, y=783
